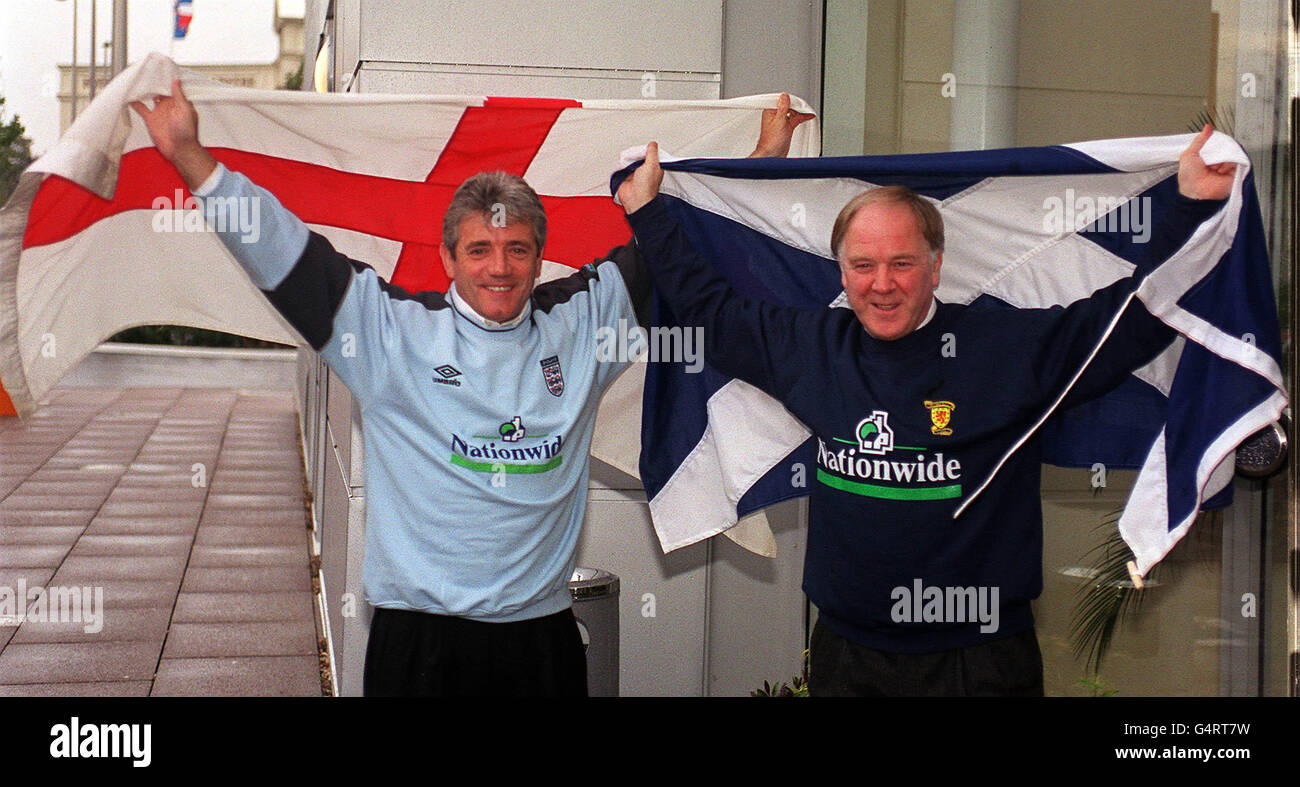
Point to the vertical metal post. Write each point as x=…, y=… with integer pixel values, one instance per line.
x=1293, y=471
x=93, y=76
x=1242, y=589
x=75, y=3
x=119, y=36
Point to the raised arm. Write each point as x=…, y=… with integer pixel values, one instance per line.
x=335, y=303
x=1198, y=180
x=1138, y=336
x=269, y=254
x=774, y=136
x=173, y=125
x=743, y=338
x=777, y=129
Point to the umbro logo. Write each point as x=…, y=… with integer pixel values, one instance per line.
x=447, y=374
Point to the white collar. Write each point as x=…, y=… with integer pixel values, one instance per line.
x=934, y=306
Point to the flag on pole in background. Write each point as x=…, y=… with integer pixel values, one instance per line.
x=184, y=14
x=97, y=236
x=1031, y=227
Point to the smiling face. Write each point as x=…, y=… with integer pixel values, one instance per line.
x=887, y=271
x=494, y=267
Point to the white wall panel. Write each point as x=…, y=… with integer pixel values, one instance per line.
x=662, y=598
x=644, y=35
x=584, y=83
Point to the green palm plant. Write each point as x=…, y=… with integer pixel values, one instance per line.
x=1221, y=117
x=1107, y=598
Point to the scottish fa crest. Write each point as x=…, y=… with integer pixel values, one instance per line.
x=874, y=433
x=552, y=374
x=940, y=417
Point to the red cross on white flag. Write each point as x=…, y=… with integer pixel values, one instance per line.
x=90, y=244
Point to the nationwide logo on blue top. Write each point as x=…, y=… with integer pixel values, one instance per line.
x=518, y=452
x=513, y=431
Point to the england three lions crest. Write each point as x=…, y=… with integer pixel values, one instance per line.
x=552, y=374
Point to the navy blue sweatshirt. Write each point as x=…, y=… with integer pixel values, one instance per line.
x=908, y=429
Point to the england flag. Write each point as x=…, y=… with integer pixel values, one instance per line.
x=101, y=234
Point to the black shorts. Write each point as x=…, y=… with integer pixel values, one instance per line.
x=417, y=654
x=1007, y=667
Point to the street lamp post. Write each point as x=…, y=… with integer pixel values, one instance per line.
x=118, y=45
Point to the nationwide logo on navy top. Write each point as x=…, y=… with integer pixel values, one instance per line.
x=872, y=465
x=447, y=373
x=551, y=373
x=874, y=434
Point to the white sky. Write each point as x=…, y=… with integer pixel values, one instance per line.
x=36, y=37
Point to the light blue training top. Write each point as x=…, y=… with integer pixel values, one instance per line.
x=476, y=435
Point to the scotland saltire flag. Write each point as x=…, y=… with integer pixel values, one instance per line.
x=1033, y=227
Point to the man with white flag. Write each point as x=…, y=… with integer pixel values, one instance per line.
x=925, y=523
x=477, y=408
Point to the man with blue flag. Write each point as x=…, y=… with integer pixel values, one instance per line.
x=914, y=403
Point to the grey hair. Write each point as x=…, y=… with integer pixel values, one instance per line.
x=491, y=193
x=927, y=215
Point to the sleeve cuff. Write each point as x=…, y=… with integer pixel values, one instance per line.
x=653, y=210
x=213, y=180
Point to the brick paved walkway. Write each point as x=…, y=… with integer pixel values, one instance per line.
x=185, y=506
